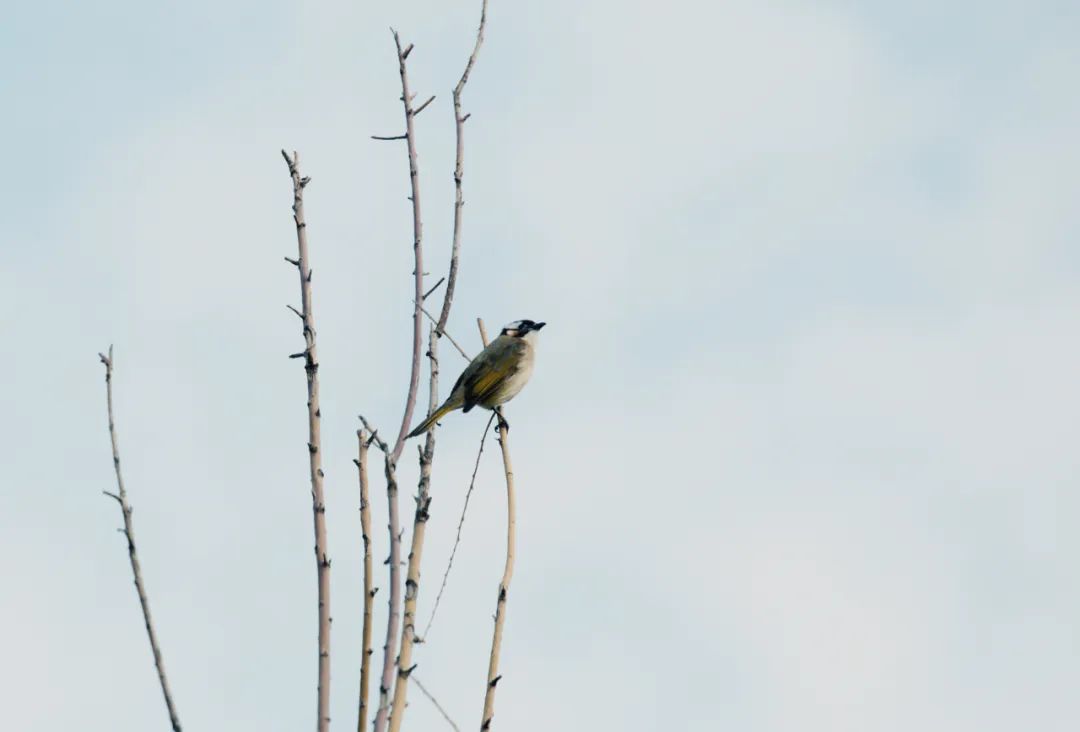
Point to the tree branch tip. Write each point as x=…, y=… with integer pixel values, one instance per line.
x=433, y=288
x=407, y=51
x=423, y=106
x=387, y=137
x=466, y=118
x=494, y=681
x=298, y=355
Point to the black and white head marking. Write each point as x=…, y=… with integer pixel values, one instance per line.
x=519, y=328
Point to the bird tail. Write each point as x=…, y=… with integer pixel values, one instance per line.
x=435, y=416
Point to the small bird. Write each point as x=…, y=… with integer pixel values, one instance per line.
x=495, y=376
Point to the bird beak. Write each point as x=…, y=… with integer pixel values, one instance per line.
x=538, y=326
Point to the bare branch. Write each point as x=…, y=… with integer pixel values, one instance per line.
x=423, y=106
x=374, y=438
x=311, y=368
x=476, y=51
x=444, y=333
x=364, y=438
x=129, y=533
x=459, y=201
x=392, y=137
x=416, y=551
x=461, y=523
x=508, y=570
x=434, y=701
x=418, y=257
x=389, y=648
x=394, y=602
x=434, y=287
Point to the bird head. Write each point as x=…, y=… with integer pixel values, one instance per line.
x=527, y=329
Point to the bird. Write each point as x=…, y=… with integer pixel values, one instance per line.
x=495, y=376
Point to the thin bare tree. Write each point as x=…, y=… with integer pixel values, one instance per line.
x=311, y=368
x=129, y=533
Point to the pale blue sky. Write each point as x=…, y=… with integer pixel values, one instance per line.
x=800, y=450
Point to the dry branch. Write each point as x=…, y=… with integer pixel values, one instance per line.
x=441, y=332
x=364, y=438
x=459, y=171
x=493, y=676
x=416, y=551
x=390, y=646
x=129, y=533
x=418, y=254
x=394, y=603
x=311, y=368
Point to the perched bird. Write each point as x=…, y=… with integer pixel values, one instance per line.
x=495, y=376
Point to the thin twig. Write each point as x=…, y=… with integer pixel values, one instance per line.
x=461, y=523
x=435, y=701
x=318, y=505
x=493, y=676
x=129, y=533
x=364, y=438
x=423, y=106
x=386, y=138
x=374, y=435
x=444, y=333
x=434, y=287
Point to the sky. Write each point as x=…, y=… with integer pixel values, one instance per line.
x=800, y=447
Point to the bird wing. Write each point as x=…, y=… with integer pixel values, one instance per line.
x=487, y=372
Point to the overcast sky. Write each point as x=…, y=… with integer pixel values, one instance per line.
x=800, y=451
